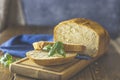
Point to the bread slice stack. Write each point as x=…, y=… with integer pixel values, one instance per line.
x=41, y=57
x=79, y=35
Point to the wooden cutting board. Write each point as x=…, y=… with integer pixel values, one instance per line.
x=28, y=68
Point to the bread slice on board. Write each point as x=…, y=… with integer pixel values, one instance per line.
x=83, y=32
x=41, y=57
x=67, y=47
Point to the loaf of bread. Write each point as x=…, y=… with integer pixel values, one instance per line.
x=83, y=32
x=41, y=57
x=78, y=31
x=67, y=47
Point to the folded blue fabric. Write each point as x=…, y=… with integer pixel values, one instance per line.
x=19, y=45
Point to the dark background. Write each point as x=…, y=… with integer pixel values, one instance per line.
x=51, y=12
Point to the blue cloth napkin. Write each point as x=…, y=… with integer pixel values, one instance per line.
x=19, y=45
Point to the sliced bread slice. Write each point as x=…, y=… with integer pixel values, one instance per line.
x=41, y=57
x=67, y=47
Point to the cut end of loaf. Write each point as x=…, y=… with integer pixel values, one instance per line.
x=78, y=31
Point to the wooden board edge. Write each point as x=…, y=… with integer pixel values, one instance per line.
x=33, y=72
x=82, y=64
x=20, y=77
x=21, y=60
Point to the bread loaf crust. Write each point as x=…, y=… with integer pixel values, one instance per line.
x=103, y=36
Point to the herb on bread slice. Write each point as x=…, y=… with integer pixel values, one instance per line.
x=67, y=47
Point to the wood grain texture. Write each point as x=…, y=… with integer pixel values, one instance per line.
x=27, y=68
x=18, y=30
x=62, y=72
x=19, y=77
x=105, y=68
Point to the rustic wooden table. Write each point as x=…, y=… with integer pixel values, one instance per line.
x=105, y=68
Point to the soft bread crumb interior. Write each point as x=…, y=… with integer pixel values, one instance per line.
x=44, y=55
x=73, y=33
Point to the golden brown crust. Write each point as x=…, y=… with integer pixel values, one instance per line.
x=104, y=38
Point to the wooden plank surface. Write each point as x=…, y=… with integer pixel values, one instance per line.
x=108, y=67
x=5, y=74
x=19, y=77
x=83, y=75
x=28, y=62
x=105, y=68
x=11, y=31
x=27, y=68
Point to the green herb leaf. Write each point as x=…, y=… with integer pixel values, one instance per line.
x=57, y=48
x=8, y=56
x=60, y=49
x=47, y=48
x=7, y=63
x=61, y=52
x=6, y=59
x=53, y=49
x=3, y=59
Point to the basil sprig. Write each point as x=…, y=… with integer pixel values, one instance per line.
x=47, y=47
x=57, y=48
